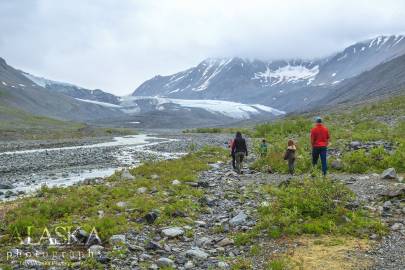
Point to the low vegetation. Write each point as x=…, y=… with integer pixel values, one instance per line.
x=380, y=121
x=81, y=205
x=16, y=124
x=313, y=206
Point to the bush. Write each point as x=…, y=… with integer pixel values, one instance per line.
x=314, y=207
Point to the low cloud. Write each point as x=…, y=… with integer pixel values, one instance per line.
x=116, y=45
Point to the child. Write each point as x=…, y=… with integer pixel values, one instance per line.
x=263, y=148
x=290, y=156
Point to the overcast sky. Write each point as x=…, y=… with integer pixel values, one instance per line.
x=115, y=45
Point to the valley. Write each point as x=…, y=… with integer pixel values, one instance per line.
x=144, y=181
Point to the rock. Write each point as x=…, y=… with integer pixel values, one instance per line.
x=121, y=204
x=223, y=265
x=103, y=259
x=81, y=235
x=355, y=145
x=337, y=164
x=32, y=263
x=176, y=182
x=154, y=177
x=6, y=185
x=141, y=190
x=178, y=213
x=225, y=242
x=152, y=245
x=200, y=223
x=387, y=204
x=239, y=219
x=196, y=253
x=126, y=175
x=164, y=262
x=93, y=239
x=389, y=174
x=204, y=242
x=397, y=227
x=172, y=232
x=203, y=184
x=100, y=213
x=189, y=265
x=117, y=239
x=145, y=257
x=95, y=249
x=207, y=201
x=394, y=193
x=151, y=217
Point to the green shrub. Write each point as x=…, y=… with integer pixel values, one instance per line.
x=314, y=207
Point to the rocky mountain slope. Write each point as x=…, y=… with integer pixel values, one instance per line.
x=72, y=90
x=275, y=83
x=19, y=92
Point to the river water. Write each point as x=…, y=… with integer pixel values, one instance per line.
x=127, y=151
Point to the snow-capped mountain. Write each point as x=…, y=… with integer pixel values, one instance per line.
x=72, y=90
x=274, y=83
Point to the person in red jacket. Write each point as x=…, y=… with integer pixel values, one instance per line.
x=319, y=141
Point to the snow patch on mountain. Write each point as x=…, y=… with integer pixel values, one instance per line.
x=286, y=74
x=213, y=67
x=45, y=82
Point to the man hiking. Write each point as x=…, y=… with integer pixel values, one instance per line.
x=320, y=140
x=240, y=150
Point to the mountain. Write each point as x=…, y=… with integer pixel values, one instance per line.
x=72, y=90
x=386, y=79
x=19, y=92
x=282, y=84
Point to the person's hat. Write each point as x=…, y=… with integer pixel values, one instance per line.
x=318, y=119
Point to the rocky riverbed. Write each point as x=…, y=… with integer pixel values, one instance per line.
x=26, y=165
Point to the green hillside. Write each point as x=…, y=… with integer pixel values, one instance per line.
x=17, y=124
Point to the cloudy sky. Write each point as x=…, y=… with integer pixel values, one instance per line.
x=117, y=44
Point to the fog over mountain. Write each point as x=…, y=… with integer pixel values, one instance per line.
x=117, y=45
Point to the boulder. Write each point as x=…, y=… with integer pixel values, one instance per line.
x=165, y=262
x=150, y=217
x=6, y=185
x=397, y=227
x=141, y=190
x=196, y=253
x=30, y=263
x=172, y=232
x=239, y=219
x=96, y=249
x=223, y=265
x=225, y=242
x=337, y=164
x=121, y=204
x=126, y=175
x=117, y=239
x=389, y=174
x=189, y=265
x=176, y=182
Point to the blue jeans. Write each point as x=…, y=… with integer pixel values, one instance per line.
x=320, y=151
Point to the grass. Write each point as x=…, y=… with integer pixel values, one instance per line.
x=381, y=120
x=17, y=124
x=79, y=205
x=314, y=207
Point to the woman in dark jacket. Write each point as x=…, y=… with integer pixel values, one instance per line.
x=239, y=148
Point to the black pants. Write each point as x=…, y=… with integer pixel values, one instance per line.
x=320, y=152
x=233, y=161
